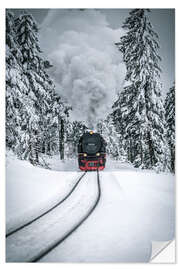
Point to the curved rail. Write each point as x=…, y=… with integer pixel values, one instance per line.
x=59, y=241
x=47, y=211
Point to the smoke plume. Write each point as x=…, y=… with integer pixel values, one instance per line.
x=87, y=67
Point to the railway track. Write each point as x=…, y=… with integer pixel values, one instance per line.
x=50, y=209
x=59, y=241
x=40, y=253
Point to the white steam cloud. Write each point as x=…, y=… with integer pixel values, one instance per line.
x=88, y=69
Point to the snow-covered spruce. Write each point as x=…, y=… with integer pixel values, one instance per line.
x=36, y=115
x=114, y=140
x=17, y=102
x=170, y=123
x=139, y=111
x=74, y=130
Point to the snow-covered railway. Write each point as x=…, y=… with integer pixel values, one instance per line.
x=76, y=226
x=39, y=237
x=14, y=230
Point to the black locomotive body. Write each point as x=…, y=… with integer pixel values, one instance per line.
x=91, y=152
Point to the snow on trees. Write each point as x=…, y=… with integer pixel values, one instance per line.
x=37, y=119
x=32, y=103
x=170, y=124
x=16, y=90
x=139, y=108
x=114, y=140
x=75, y=130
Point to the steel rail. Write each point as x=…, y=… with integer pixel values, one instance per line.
x=47, y=211
x=59, y=241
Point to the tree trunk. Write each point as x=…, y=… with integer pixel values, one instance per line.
x=49, y=148
x=141, y=148
x=36, y=154
x=33, y=157
x=43, y=147
x=172, y=160
x=61, y=137
x=131, y=154
x=151, y=152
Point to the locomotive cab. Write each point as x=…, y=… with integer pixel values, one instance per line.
x=91, y=152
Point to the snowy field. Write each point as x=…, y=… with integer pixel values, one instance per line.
x=136, y=207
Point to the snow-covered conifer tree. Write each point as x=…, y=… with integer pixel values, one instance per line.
x=32, y=64
x=75, y=130
x=16, y=89
x=32, y=104
x=170, y=123
x=139, y=108
x=115, y=147
x=41, y=88
x=11, y=87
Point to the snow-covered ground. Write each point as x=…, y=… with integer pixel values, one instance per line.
x=30, y=242
x=30, y=190
x=135, y=208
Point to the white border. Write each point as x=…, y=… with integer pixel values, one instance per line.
x=88, y=4
x=71, y=4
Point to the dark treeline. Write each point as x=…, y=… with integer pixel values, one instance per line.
x=139, y=129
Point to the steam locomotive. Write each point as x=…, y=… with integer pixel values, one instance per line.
x=91, y=152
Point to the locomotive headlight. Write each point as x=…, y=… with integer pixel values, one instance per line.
x=85, y=155
x=97, y=154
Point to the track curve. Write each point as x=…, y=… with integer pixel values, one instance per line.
x=47, y=211
x=59, y=241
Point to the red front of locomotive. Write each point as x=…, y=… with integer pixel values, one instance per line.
x=91, y=152
x=92, y=163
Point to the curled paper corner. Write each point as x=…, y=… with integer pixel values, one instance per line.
x=163, y=252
